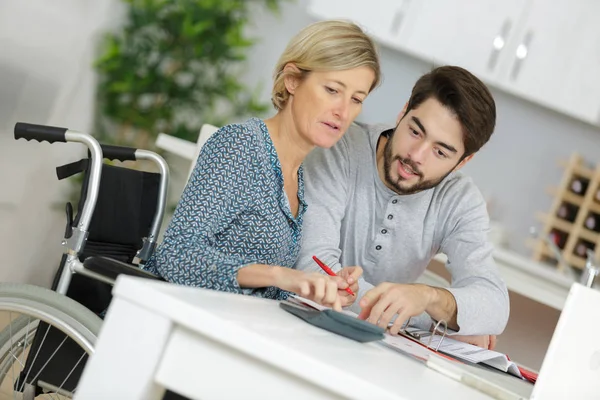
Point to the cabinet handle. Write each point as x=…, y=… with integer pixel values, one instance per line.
x=498, y=44
x=520, y=54
x=398, y=18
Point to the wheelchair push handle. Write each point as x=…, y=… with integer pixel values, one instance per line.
x=118, y=152
x=41, y=133
x=53, y=134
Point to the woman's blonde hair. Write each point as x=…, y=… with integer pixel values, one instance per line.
x=324, y=46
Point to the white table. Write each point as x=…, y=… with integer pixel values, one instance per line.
x=211, y=345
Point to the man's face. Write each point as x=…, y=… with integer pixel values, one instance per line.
x=426, y=146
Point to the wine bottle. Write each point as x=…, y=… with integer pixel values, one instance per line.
x=581, y=248
x=592, y=222
x=567, y=212
x=559, y=238
x=579, y=186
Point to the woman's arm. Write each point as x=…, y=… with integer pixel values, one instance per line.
x=221, y=187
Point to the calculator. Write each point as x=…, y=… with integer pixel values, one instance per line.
x=336, y=322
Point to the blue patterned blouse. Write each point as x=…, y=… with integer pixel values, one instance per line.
x=232, y=213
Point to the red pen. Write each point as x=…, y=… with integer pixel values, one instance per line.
x=330, y=272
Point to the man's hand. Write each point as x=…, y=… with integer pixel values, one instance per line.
x=485, y=341
x=350, y=275
x=380, y=304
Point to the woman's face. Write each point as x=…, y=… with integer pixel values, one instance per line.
x=324, y=104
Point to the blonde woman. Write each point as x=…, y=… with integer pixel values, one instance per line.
x=238, y=225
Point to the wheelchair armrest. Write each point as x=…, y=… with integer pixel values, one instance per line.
x=113, y=268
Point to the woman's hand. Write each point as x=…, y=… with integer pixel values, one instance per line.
x=320, y=288
x=350, y=275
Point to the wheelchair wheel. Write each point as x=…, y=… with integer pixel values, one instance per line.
x=44, y=342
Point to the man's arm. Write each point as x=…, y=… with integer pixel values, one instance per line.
x=481, y=295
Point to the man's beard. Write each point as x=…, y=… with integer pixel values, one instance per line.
x=389, y=158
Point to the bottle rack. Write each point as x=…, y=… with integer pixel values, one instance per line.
x=571, y=216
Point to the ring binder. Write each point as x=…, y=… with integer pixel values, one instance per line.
x=417, y=335
x=434, y=332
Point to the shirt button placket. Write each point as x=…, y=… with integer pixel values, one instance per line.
x=384, y=231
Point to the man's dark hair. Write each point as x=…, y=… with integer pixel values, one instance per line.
x=466, y=96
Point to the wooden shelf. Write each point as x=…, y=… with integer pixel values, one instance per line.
x=595, y=207
x=579, y=170
x=588, y=235
x=567, y=196
x=576, y=231
x=555, y=222
x=575, y=261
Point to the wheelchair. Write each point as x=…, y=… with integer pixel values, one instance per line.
x=50, y=333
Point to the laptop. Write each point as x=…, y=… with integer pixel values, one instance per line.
x=571, y=367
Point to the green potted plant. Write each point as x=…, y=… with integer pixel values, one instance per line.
x=173, y=67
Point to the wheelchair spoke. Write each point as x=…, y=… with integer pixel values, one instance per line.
x=60, y=388
x=16, y=357
x=25, y=344
x=43, y=361
x=12, y=369
x=34, y=358
x=24, y=350
x=55, y=390
x=48, y=360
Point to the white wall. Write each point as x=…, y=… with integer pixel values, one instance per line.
x=513, y=169
x=45, y=78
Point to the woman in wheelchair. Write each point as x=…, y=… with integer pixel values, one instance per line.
x=238, y=225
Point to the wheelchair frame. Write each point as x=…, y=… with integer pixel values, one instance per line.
x=76, y=242
x=55, y=307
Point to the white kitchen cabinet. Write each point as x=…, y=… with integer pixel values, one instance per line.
x=545, y=51
x=468, y=33
x=554, y=57
x=384, y=20
x=582, y=96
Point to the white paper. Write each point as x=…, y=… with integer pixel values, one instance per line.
x=310, y=303
x=407, y=346
x=474, y=354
